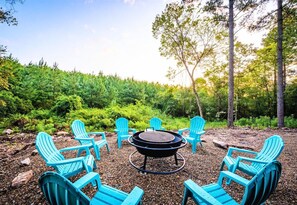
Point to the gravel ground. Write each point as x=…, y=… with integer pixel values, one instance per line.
x=115, y=170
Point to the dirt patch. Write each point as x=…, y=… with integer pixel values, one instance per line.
x=115, y=170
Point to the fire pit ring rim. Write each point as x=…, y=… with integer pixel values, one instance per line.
x=183, y=143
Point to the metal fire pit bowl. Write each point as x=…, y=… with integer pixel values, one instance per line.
x=157, y=144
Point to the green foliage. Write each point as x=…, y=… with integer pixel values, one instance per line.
x=216, y=124
x=40, y=97
x=40, y=114
x=263, y=122
x=291, y=122
x=291, y=98
x=65, y=104
x=11, y=104
x=190, y=37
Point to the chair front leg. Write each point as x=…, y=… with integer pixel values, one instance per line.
x=194, y=145
x=119, y=143
x=107, y=147
x=186, y=195
x=233, y=170
x=97, y=152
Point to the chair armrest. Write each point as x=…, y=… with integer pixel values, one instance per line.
x=84, y=138
x=238, y=159
x=229, y=175
x=92, y=140
x=86, y=179
x=65, y=161
x=134, y=197
x=200, y=192
x=85, y=147
x=252, y=160
x=180, y=131
x=98, y=133
x=231, y=149
x=200, y=132
x=132, y=130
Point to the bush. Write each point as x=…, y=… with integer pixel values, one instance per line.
x=264, y=122
x=40, y=114
x=65, y=104
x=290, y=122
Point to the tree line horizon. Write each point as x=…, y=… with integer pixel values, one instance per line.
x=25, y=89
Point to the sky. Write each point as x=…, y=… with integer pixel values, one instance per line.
x=90, y=36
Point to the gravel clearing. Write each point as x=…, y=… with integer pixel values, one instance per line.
x=115, y=170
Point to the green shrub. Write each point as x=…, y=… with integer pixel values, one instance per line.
x=216, y=124
x=265, y=121
x=139, y=125
x=40, y=114
x=65, y=104
x=290, y=122
x=43, y=126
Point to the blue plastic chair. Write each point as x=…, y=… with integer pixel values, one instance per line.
x=272, y=148
x=122, y=130
x=80, y=134
x=53, y=157
x=156, y=124
x=256, y=191
x=59, y=190
x=195, y=131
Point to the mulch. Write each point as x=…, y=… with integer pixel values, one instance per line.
x=115, y=170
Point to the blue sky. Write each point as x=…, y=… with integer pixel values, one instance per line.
x=113, y=36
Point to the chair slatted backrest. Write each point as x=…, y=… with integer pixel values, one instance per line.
x=59, y=190
x=156, y=123
x=122, y=126
x=272, y=148
x=263, y=184
x=79, y=130
x=47, y=149
x=196, y=125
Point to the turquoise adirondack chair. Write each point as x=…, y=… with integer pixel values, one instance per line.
x=195, y=131
x=80, y=134
x=256, y=191
x=122, y=130
x=59, y=190
x=272, y=148
x=156, y=124
x=53, y=157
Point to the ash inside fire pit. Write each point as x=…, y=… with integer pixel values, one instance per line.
x=156, y=136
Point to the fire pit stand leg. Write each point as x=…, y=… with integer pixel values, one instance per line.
x=144, y=163
x=175, y=157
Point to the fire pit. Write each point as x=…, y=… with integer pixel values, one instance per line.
x=157, y=144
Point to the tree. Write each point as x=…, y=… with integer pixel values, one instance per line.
x=280, y=84
x=267, y=20
x=6, y=16
x=189, y=37
x=231, y=65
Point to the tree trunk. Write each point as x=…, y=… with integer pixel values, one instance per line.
x=231, y=65
x=197, y=98
x=280, y=84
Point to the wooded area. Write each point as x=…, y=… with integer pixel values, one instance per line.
x=35, y=97
x=38, y=97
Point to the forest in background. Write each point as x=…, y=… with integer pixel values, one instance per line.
x=38, y=97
